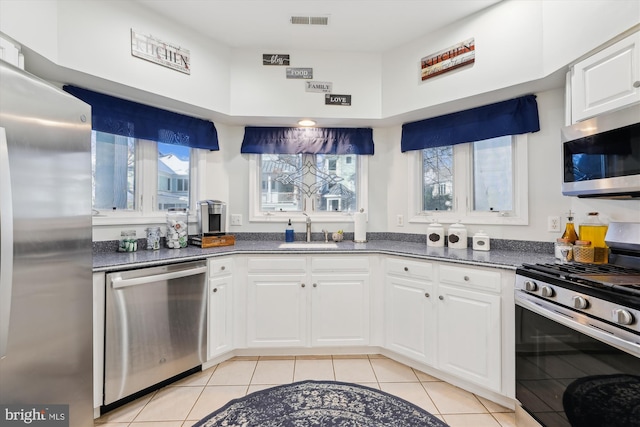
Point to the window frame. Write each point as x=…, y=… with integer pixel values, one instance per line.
x=146, y=182
x=255, y=192
x=463, y=189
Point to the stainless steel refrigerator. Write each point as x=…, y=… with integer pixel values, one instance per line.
x=45, y=247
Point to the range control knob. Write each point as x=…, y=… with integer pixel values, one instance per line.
x=547, y=291
x=530, y=286
x=580, y=302
x=622, y=316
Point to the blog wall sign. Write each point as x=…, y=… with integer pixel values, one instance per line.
x=275, y=59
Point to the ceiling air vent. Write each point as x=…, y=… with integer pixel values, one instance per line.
x=310, y=20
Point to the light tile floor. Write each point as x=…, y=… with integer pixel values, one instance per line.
x=187, y=401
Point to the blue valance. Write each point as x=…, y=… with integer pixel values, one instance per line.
x=127, y=118
x=277, y=140
x=512, y=117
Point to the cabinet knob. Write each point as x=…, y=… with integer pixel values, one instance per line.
x=215, y=289
x=315, y=285
x=303, y=285
x=441, y=298
x=426, y=294
x=406, y=269
x=222, y=268
x=636, y=84
x=466, y=278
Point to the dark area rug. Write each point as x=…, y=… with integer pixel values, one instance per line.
x=320, y=404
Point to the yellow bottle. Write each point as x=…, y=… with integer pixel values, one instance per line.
x=595, y=231
x=570, y=231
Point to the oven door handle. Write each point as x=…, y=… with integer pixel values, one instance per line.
x=621, y=339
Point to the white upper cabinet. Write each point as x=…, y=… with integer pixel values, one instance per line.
x=606, y=81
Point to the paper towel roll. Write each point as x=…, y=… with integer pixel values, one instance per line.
x=360, y=227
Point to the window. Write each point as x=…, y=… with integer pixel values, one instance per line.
x=322, y=184
x=140, y=177
x=481, y=182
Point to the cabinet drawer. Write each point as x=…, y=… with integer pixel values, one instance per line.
x=277, y=265
x=414, y=269
x=220, y=267
x=470, y=278
x=331, y=264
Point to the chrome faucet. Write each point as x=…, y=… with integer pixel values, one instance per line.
x=308, y=227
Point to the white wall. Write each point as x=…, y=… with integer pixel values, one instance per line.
x=517, y=43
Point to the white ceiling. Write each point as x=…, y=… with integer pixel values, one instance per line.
x=354, y=25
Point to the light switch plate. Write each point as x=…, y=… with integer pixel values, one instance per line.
x=236, y=219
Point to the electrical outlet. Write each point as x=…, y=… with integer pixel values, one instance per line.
x=553, y=224
x=400, y=220
x=236, y=219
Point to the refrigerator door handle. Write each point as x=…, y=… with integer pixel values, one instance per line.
x=6, y=243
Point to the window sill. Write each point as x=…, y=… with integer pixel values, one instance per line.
x=450, y=218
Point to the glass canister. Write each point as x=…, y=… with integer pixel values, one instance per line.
x=177, y=229
x=153, y=238
x=128, y=241
x=583, y=251
x=594, y=230
x=563, y=250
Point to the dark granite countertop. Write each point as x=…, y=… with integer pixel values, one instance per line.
x=507, y=258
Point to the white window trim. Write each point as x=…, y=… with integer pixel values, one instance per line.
x=461, y=211
x=146, y=183
x=255, y=188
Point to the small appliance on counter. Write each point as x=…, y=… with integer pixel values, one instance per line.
x=212, y=219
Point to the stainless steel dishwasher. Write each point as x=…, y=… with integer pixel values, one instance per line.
x=155, y=326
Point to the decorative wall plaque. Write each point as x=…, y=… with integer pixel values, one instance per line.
x=275, y=59
x=333, y=99
x=456, y=56
x=322, y=87
x=162, y=53
x=299, y=73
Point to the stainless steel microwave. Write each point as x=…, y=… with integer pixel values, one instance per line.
x=601, y=156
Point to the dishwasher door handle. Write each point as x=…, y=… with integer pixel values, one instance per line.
x=119, y=282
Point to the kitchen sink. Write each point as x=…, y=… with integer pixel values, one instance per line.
x=308, y=245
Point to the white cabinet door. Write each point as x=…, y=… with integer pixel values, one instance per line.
x=606, y=81
x=469, y=335
x=220, y=316
x=277, y=310
x=410, y=318
x=340, y=310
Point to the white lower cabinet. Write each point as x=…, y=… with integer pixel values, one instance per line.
x=288, y=305
x=410, y=312
x=468, y=338
x=447, y=317
x=220, y=307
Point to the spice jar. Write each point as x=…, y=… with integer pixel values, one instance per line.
x=583, y=251
x=177, y=235
x=128, y=241
x=563, y=250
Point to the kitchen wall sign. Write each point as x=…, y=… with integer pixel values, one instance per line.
x=322, y=87
x=456, y=56
x=299, y=73
x=275, y=59
x=162, y=53
x=332, y=99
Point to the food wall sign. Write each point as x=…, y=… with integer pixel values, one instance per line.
x=449, y=59
x=160, y=52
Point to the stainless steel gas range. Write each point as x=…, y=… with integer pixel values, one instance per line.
x=578, y=337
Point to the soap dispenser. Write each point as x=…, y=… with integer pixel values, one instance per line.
x=288, y=234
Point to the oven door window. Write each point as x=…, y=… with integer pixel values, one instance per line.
x=611, y=154
x=567, y=379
